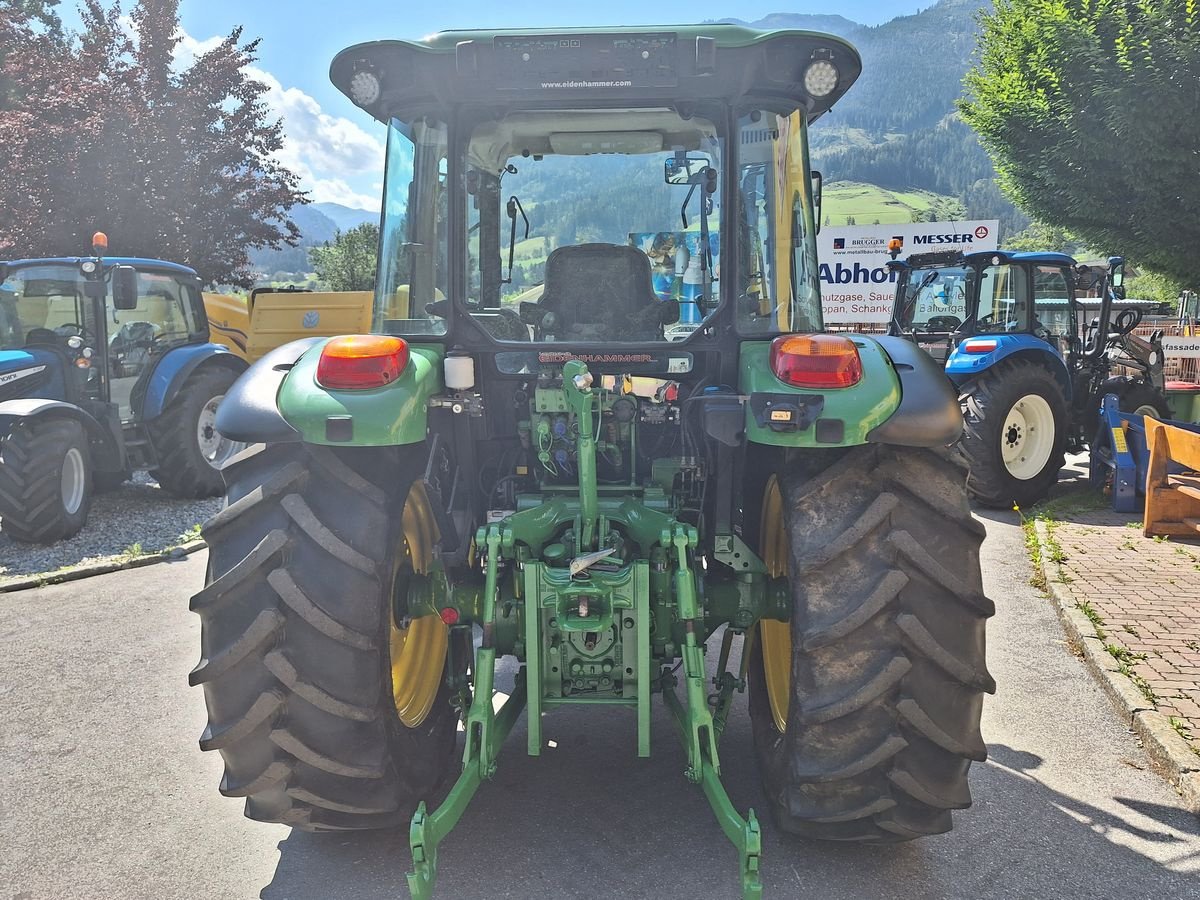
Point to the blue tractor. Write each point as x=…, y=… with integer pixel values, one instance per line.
x=105, y=367
x=1030, y=363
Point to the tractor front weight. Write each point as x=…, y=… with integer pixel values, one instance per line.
x=598, y=596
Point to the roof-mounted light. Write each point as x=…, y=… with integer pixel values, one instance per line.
x=821, y=78
x=365, y=87
x=99, y=242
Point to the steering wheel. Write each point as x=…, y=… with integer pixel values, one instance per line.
x=984, y=320
x=1128, y=320
x=943, y=323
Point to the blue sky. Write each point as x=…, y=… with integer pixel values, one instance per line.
x=337, y=149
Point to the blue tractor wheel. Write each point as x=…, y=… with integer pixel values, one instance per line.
x=45, y=480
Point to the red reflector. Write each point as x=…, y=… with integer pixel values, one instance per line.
x=978, y=346
x=450, y=615
x=361, y=361
x=816, y=360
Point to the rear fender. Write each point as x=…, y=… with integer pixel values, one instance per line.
x=250, y=411
x=781, y=415
x=106, y=447
x=176, y=367
x=963, y=366
x=929, y=414
x=382, y=417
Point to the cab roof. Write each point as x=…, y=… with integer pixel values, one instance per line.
x=984, y=258
x=584, y=67
x=108, y=262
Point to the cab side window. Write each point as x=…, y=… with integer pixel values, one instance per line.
x=1004, y=300
x=1052, y=305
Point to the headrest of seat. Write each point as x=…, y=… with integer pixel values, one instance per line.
x=604, y=271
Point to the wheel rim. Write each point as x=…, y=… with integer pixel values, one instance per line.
x=775, y=636
x=417, y=646
x=1148, y=409
x=214, y=447
x=74, y=481
x=1027, y=439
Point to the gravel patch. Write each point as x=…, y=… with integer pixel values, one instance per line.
x=139, y=518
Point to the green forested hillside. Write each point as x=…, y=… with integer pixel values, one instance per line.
x=898, y=127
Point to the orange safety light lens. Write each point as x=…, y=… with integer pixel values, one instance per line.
x=359, y=362
x=99, y=241
x=816, y=361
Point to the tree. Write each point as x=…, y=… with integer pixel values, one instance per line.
x=348, y=263
x=103, y=132
x=1091, y=112
x=1039, y=236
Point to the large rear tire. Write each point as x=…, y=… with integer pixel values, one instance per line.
x=190, y=450
x=298, y=638
x=866, y=708
x=45, y=480
x=1137, y=397
x=1014, y=434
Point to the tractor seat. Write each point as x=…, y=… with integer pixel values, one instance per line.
x=602, y=292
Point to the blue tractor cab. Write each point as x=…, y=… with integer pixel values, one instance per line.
x=1029, y=361
x=105, y=367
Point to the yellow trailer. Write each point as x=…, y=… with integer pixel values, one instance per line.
x=270, y=317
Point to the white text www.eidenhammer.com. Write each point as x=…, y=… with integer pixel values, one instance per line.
x=586, y=84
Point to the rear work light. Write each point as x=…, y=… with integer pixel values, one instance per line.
x=816, y=361
x=359, y=362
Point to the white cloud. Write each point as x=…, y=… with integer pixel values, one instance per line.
x=323, y=150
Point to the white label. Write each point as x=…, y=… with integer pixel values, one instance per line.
x=1182, y=347
x=9, y=377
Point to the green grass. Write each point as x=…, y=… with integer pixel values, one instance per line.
x=1126, y=659
x=866, y=203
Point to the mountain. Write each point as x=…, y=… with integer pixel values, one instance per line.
x=318, y=223
x=345, y=217
x=898, y=127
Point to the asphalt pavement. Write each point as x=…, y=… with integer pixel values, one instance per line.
x=104, y=792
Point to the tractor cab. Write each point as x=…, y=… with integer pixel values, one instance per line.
x=617, y=188
x=93, y=328
x=946, y=298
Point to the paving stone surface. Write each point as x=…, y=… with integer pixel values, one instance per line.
x=1147, y=593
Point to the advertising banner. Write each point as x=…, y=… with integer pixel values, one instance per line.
x=1181, y=347
x=856, y=285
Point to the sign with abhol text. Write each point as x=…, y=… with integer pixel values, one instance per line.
x=856, y=285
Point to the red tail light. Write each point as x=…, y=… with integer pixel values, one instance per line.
x=979, y=346
x=816, y=361
x=359, y=362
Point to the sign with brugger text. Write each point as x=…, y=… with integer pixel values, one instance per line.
x=856, y=285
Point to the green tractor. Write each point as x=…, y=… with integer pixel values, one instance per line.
x=652, y=450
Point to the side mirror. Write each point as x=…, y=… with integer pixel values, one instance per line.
x=124, y=287
x=686, y=169
x=816, y=200
x=1116, y=275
